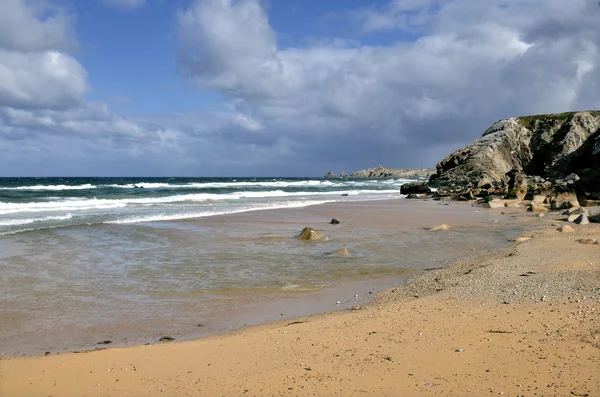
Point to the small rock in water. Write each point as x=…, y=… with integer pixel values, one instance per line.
x=334, y=222
x=343, y=252
x=440, y=227
x=166, y=339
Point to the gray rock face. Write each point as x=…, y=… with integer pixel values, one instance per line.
x=381, y=172
x=564, y=147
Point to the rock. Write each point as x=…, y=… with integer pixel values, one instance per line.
x=538, y=199
x=563, y=147
x=541, y=215
x=572, y=177
x=166, y=339
x=512, y=203
x=334, y=221
x=581, y=219
x=440, y=227
x=517, y=185
x=594, y=218
x=536, y=208
x=564, y=200
x=415, y=187
x=412, y=196
x=576, y=210
x=485, y=203
x=381, y=172
x=587, y=241
x=343, y=252
x=590, y=203
x=565, y=229
x=522, y=239
x=459, y=350
x=310, y=234
x=342, y=174
x=329, y=175
x=597, y=242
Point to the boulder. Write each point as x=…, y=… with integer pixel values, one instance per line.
x=440, y=227
x=590, y=203
x=536, y=208
x=594, y=218
x=565, y=229
x=538, y=199
x=412, y=196
x=334, y=221
x=564, y=200
x=415, y=187
x=517, y=185
x=310, y=234
x=329, y=175
x=581, y=219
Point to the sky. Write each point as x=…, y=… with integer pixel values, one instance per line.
x=278, y=87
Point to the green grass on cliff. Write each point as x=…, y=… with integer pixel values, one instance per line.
x=529, y=121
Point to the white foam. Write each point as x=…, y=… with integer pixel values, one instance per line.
x=17, y=222
x=82, y=204
x=51, y=187
x=189, y=215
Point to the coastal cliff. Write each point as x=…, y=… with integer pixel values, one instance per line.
x=548, y=149
x=382, y=172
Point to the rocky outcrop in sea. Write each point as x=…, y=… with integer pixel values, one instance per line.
x=382, y=172
x=542, y=154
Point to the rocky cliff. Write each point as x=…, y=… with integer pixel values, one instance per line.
x=381, y=172
x=546, y=148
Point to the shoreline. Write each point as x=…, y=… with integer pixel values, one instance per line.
x=514, y=321
x=373, y=231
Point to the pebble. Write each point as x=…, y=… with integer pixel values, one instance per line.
x=459, y=350
x=337, y=302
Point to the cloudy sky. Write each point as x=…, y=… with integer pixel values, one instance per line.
x=278, y=87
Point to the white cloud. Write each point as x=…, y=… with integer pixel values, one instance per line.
x=48, y=79
x=456, y=67
x=472, y=63
x=34, y=26
x=124, y=4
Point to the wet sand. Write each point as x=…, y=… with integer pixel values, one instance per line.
x=519, y=321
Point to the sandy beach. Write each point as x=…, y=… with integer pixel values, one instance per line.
x=520, y=321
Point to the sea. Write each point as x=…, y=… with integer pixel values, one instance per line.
x=121, y=261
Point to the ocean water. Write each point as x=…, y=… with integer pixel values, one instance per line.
x=28, y=204
x=84, y=260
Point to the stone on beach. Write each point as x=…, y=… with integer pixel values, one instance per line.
x=522, y=239
x=343, y=252
x=440, y=227
x=587, y=241
x=580, y=219
x=310, y=234
x=566, y=229
x=334, y=221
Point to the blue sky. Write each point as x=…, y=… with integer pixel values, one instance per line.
x=275, y=87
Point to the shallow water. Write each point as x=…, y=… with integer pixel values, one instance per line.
x=71, y=287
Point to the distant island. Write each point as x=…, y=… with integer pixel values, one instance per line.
x=382, y=172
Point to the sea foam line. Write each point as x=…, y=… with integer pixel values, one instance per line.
x=79, y=204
